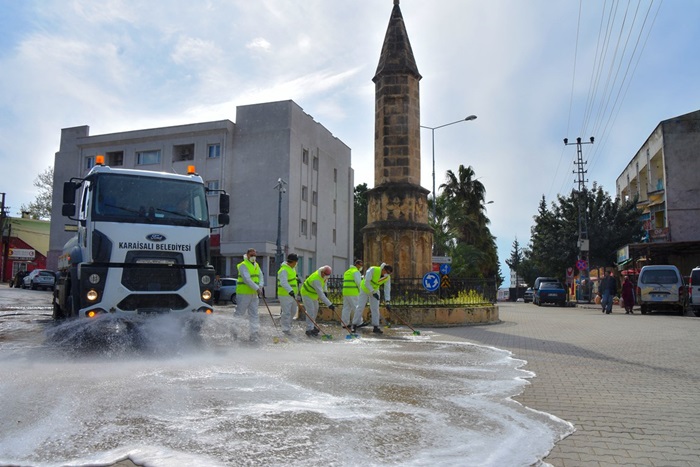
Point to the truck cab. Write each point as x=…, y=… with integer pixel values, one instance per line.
x=142, y=244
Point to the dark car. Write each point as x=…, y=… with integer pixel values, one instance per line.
x=529, y=295
x=550, y=292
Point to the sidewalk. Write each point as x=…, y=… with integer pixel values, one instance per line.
x=630, y=384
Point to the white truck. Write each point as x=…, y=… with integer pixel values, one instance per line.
x=142, y=244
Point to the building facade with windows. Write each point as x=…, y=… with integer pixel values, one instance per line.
x=663, y=178
x=268, y=142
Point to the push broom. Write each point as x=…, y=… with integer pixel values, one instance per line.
x=325, y=336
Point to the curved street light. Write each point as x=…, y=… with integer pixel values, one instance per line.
x=432, y=130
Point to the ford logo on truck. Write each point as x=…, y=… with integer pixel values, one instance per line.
x=155, y=237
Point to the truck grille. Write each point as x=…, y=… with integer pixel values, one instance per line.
x=161, y=303
x=153, y=272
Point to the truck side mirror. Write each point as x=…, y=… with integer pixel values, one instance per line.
x=68, y=210
x=223, y=219
x=69, y=189
x=224, y=203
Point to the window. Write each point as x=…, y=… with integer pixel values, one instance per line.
x=148, y=157
x=213, y=151
x=89, y=162
x=335, y=175
x=315, y=166
x=212, y=185
x=303, y=226
x=314, y=199
x=183, y=152
x=304, y=193
x=115, y=158
x=305, y=156
x=313, y=229
x=333, y=235
x=335, y=203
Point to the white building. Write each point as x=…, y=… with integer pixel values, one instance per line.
x=268, y=141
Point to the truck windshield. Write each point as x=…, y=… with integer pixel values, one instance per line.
x=138, y=199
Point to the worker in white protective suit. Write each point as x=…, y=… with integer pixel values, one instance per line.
x=248, y=290
x=375, y=277
x=314, y=288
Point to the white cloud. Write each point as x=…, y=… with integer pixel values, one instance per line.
x=259, y=43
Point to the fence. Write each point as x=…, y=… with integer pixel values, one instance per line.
x=409, y=292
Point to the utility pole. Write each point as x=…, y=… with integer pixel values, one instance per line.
x=583, y=240
x=4, y=245
x=279, y=256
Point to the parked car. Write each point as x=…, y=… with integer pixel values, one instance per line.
x=529, y=295
x=550, y=292
x=539, y=280
x=694, y=291
x=661, y=287
x=39, y=278
x=228, y=290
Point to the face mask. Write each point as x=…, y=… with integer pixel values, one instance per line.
x=251, y=259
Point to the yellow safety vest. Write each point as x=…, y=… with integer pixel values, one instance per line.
x=254, y=269
x=349, y=286
x=307, y=289
x=377, y=280
x=291, y=279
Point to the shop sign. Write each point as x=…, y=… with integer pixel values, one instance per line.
x=21, y=253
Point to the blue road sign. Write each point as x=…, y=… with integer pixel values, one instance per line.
x=445, y=269
x=431, y=281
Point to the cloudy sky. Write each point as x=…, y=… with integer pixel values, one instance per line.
x=533, y=72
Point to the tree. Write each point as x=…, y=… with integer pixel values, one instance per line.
x=40, y=208
x=611, y=224
x=514, y=262
x=473, y=249
x=360, y=218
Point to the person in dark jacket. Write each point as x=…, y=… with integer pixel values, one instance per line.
x=628, y=295
x=608, y=289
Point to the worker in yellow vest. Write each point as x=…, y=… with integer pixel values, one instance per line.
x=287, y=291
x=248, y=290
x=352, y=280
x=375, y=277
x=314, y=288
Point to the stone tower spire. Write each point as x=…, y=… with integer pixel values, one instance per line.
x=397, y=109
x=397, y=230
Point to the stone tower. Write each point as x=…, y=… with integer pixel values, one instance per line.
x=397, y=230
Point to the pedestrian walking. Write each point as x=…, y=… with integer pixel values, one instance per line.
x=608, y=289
x=287, y=291
x=248, y=289
x=628, y=295
x=315, y=288
x=352, y=280
x=375, y=277
x=217, y=289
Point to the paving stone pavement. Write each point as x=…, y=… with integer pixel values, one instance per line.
x=630, y=384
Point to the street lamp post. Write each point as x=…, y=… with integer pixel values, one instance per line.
x=279, y=257
x=432, y=131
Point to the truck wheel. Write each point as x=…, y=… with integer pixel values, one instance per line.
x=57, y=312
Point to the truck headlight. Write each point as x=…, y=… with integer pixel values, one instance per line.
x=92, y=295
x=206, y=295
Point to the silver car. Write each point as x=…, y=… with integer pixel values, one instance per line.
x=39, y=278
x=228, y=290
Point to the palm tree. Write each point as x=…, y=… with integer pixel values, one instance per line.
x=465, y=204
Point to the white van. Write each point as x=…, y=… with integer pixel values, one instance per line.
x=661, y=287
